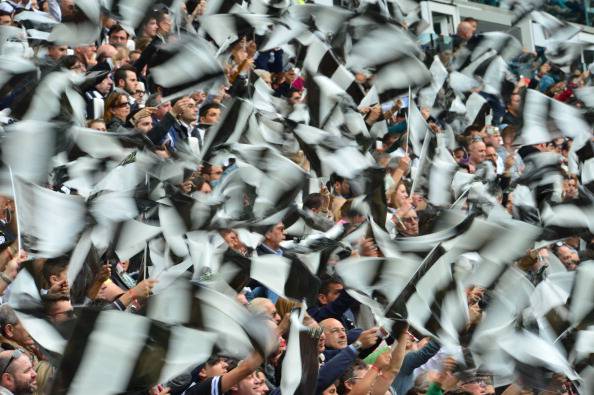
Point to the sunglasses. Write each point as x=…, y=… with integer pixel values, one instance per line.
x=120, y=105
x=14, y=355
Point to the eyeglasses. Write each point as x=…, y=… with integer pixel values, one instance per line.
x=14, y=355
x=119, y=105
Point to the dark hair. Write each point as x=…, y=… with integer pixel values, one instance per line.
x=142, y=43
x=326, y=281
x=226, y=231
x=204, y=109
x=154, y=100
x=471, y=129
x=121, y=73
x=349, y=374
x=117, y=28
x=54, y=266
x=110, y=102
x=293, y=90
x=334, y=178
x=68, y=61
x=7, y=316
x=509, y=129
x=160, y=16
x=145, y=22
x=313, y=201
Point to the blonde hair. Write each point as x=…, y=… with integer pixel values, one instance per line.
x=284, y=306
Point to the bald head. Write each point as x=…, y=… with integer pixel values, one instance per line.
x=106, y=51
x=465, y=30
x=264, y=307
x=335, y=333
x=477, y=152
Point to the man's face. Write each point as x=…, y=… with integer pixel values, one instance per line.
x=61, y=311
x=190, y=111
x=131, y=82
x=262, y=387
x=335, y=334
x=272, y=313
x=569, y=257
x=232, y=240
x=494, y=138
x=342, y=187
x=570, y=190
x=25, y=378
x=492, y=155
x=57, y=51
x=162, y=110
x=334, y=291
x=408, y=224
x=477, y=152
x=5, y=20
x=212, y=116
x=98, y=125
x=198, y=97
x=277, y=234
x=145, y=124
x=218, y=369
x=249, y=386
x=295, y=98
x=67, y=8
x=118, y=39
x=515, y=102
x=56, y=278
x=104, y=87
x=216, y=172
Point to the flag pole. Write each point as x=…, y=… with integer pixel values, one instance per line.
x=408, y=121
x=16, y=210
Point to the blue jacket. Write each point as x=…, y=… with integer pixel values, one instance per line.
x=334, y=310
x=331, y=370
x=404, y=380
x=335, y=367
x=264, y=61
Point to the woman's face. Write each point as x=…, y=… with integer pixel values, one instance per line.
x=121, y=108
x=150, y=29
x=401, y=196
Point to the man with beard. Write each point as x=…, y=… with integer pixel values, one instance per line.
x=18, y=376
x=14, y=336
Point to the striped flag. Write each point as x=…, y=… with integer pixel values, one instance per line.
x=321, y=59
x=184, y=66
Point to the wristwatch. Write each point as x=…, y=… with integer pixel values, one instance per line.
x=357, y=345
